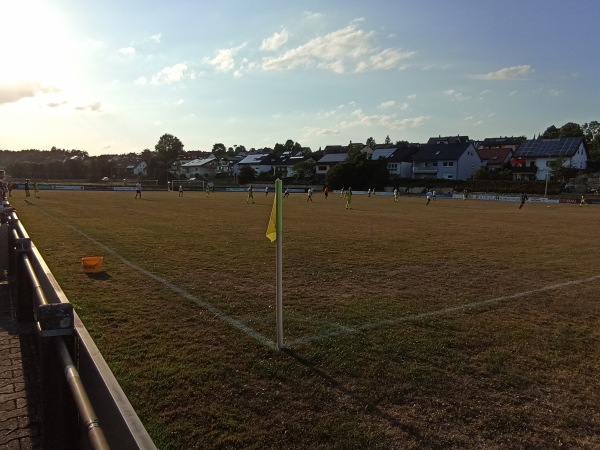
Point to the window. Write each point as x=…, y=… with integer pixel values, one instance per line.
x=322, y=168
x=392, y=167
x=448, y=163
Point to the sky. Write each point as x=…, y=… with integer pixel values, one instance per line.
x=113, y=76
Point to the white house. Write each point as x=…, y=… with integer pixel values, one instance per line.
x=533, y=157
x=448, y=160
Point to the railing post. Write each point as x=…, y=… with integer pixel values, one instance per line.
x=58, y=408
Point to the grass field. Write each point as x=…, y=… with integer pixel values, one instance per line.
x=463, y=324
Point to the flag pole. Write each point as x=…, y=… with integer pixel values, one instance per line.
x=279, y=270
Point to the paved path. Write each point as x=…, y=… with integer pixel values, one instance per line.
x=20, y=405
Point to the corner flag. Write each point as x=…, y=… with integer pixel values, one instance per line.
x=274, y=234
x=272, y=227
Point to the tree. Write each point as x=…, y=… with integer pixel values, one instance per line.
x=168, y=148
x=167, y=152
x=371, y=142
x=246, y=175
x=219, y=150
x=591, y=131
x=304, y=169
x=388, y=140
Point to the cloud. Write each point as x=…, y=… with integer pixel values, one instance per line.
x=555, y=92
x=224, y=59
x=312, y=15
x=335, y=51
x=97, y=106
x=274, y=42
x=155, y=38
x=359, y=118
x=316, y=132
x=455, y=95
x=55, y=104
x=508, y=73
x=170, y=75
x=127, y=51
x=388, y=58
x=14, y=91
x=387, y=104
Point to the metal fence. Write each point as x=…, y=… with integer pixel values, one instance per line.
x=83, y=406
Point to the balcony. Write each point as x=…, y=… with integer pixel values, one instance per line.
x=524, y=169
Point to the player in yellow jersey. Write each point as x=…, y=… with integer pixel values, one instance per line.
x=250, y=195
x=349, y=198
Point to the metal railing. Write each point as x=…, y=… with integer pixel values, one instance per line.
x=83, y=405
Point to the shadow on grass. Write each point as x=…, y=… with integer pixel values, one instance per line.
x=100, y=276
x=409, y=429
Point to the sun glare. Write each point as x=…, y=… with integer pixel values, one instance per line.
x=33, y=45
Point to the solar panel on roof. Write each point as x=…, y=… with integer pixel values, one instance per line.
x=548, y=147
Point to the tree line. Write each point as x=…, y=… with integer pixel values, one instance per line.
x=358, y=169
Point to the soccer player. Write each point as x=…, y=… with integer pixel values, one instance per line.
x=583, y=201
x=429, y=194
x=523, y=200
x=342, y=193
x=36, y=191
x=250, y=194
x=396, y=195
x=286, y=193
x=138, y=190
x=349, y=198
x=207, y=189
x=180, y=190
x=309, y=195
x=326, y=192
x=27, y=194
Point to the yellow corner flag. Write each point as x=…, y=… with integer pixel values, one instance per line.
x=272, y=227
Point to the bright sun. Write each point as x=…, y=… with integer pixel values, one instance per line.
x=33, y=46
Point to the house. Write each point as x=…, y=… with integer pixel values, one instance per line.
x=495, y=158
x=335, y=154
x=255, y=161
x=202, y=167
x=128, y=167
x=454, y=159
x=328, y=161
x=448, y=140
x=512, y=143
x=399, y=159
x=532, y=159
x=282, y=165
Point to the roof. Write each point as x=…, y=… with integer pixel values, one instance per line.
x=253, y=159
x=332, y=158
x=494, y=156
x=403, y=154
x=198, y=162
x=448, y=140
x=501, y=141
x=547, y=148
x=439, y=152
x=383, y=153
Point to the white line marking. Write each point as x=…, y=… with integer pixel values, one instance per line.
x=342, y=330
x=440, y=312
x=240, y=325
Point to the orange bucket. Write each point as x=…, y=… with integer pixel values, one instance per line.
x=92, y=264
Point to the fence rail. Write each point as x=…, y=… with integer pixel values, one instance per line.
x=83, y=406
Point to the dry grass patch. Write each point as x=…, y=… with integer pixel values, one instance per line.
x=381, y=354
